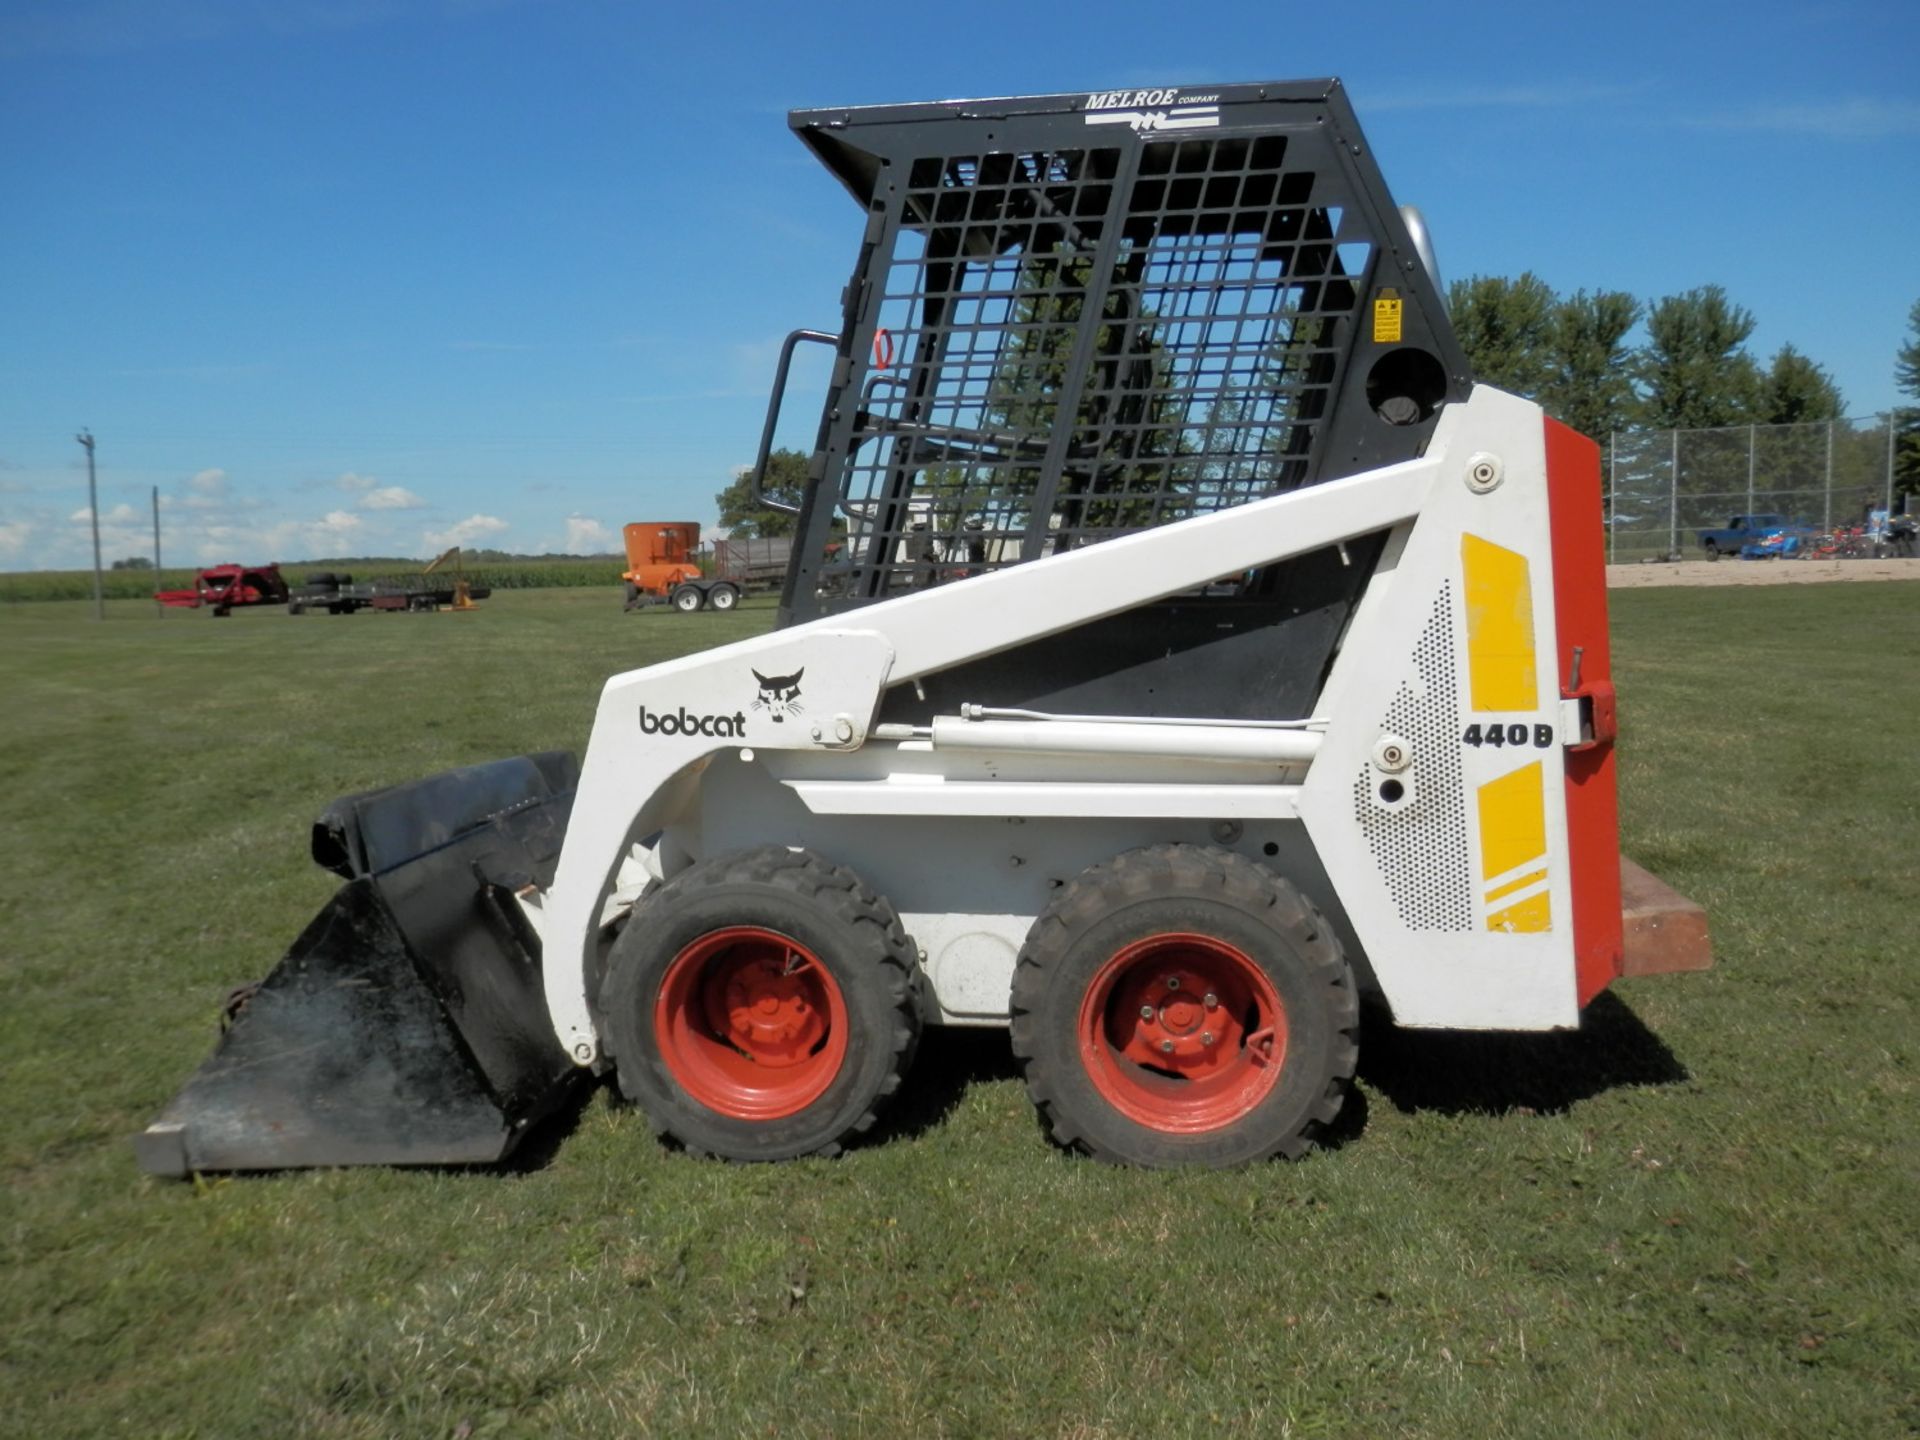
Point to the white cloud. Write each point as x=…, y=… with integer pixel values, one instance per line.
x=207, y=490
x=338, y=532
x=339, y=527
x=474, y=527
x=121, y=514
x=587, y=536
x=13, y=536
x=356, y=483
x=391, y=497
x=1506, y=97
x=1861, y=117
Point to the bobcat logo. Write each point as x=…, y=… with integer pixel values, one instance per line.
x=779, y=695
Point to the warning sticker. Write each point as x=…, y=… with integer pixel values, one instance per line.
x=1386, y=317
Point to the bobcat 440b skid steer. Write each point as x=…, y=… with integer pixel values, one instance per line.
x=1177, y=648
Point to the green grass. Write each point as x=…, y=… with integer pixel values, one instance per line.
x=1695, y=1216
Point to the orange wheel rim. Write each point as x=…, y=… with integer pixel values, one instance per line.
x=750, y=1023
x=1182, y=1033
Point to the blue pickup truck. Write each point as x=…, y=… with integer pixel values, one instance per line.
x=1742, y=531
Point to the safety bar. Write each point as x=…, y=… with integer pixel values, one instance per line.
x=817, y=337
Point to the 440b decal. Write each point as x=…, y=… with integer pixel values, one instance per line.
x=1515, y=734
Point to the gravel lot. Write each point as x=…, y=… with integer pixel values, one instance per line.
x=1758, y=572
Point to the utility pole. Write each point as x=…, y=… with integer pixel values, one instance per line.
x=85, y=437
x=158, y=584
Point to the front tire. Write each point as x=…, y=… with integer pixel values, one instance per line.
x=1182, y=1005
x=760, y=1006
x=688, y=599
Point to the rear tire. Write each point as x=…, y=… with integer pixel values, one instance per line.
x=688, y=599
x=760, y=1006
x=723, y=597
x=1181, y=1005
x=1713, y=550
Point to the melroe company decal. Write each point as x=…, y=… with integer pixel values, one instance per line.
x=1151, y=110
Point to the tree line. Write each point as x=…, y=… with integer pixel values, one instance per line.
x=1574, y=354
x=1690, y=371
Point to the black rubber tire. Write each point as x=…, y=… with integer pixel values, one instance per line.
x=687, y=599
x=1713, y=550
x=1189, y=889
x=723, y=597
x=323, y=580
x=296, y=607
x=858, y=938
x=633, y=595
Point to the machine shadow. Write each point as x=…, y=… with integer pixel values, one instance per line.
x=546, y=1136
x=1482, y=1073
x=951, y=1060
x=1450, y=1072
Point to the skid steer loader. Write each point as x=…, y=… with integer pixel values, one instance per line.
x=1177, y=647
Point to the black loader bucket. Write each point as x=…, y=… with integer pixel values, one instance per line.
x=407, y=1025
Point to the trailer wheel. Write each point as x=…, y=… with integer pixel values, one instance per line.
x=688, y=599
x=723, y=597
x=760, y=1006
x=1183, y=1005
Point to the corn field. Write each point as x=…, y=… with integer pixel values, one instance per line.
x=543, y=574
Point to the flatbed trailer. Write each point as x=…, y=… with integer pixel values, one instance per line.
x=339, y=595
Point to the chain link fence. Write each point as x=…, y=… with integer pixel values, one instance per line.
x=1827, y=483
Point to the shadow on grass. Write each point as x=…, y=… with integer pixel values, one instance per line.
x=1456, y=1072
x=545, y=1137
x=1451, y=1072
x=951, y=1060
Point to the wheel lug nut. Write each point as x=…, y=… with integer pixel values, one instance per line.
x=1166, y=1047
x=1206, y=1037
x=1146, y=1012
x=1173, y=982
x=1212, y=1002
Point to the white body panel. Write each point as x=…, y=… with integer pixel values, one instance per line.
x=767, y=741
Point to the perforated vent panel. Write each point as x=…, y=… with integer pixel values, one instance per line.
x=1422, y=849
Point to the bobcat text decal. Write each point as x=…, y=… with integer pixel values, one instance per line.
x=684, y=722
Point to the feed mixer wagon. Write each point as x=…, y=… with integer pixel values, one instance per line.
x=1177, y=649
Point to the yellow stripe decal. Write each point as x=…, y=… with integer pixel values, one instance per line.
x=1525, y=917
x=1500, y=648
x=1513, y=821
x=1512, y=885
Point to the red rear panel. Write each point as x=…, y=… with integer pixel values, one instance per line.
x=1580, y=610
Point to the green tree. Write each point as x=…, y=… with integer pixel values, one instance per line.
x=1588, y=387
x=1128, y=436
x=1507, y=329
x=133, y=562
x=1906, y=375
x=744, y=516
x=1795, y=389
x=1693, y=372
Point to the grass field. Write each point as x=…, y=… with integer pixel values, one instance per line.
x=1697, y=1215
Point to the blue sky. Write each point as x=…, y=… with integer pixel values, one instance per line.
x=373, y=276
